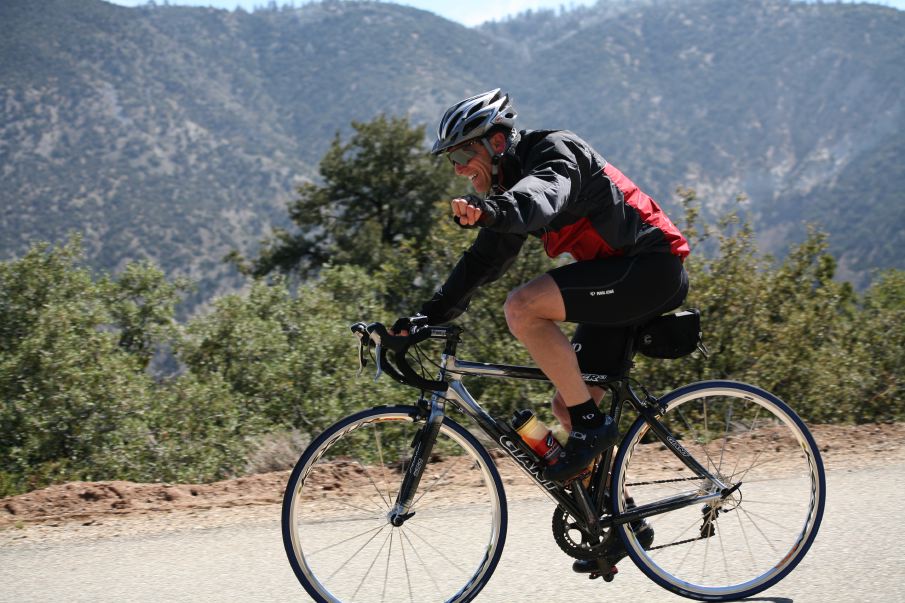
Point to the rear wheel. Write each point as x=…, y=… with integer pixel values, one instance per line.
x=748, y=540
x=336, y=530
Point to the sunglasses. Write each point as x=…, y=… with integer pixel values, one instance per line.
x=462, y=155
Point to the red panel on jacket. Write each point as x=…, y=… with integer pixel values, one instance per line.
x=649, y=211
x=578, y=239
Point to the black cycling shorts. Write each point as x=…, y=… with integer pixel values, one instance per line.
x=607, y=297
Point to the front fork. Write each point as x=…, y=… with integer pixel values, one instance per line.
x=422, y=446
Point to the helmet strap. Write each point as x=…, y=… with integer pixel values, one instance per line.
x=495, y=159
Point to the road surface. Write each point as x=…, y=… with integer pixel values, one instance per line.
x=859, y=555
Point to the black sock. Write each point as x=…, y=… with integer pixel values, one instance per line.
x=586, y=415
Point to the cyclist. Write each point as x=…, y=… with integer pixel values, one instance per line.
x=628, y=256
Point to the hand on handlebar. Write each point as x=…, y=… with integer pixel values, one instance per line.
x=404, y=325
x=398, y=343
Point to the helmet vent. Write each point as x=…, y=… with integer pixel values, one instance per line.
x=473, y=110
x=471, y=125
x=454, y=119
x=474, y=117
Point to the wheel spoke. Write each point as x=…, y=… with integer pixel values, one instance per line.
x=725, y=436
x=376, y=531
x=437, y=480
x=408, y=574
x=708, y=521
x=370, y=512
x=435, y=549
x=386, y=573
x=764, y=519
x=719, y=535
x=367, y=472
x=741, y=526
x=756, y=465
x=744, y=436
x=369, y=515
x=383, y=465
x=761, y=532
x=370, y=567
x=426, y=567
x=751, y=501
x=687, y=553
x=329, y=529
x=696, y=439
x=434, y=530
x=355, y=554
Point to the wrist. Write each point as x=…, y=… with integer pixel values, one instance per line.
x=490, y=214
x=489, y=209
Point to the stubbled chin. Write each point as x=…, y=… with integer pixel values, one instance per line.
x=479, y=184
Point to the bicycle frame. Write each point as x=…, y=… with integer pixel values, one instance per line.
x=753, y=534
x=589, y=508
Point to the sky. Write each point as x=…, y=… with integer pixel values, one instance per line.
x=467, y=12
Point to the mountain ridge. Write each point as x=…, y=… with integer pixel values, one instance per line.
x=178, y=134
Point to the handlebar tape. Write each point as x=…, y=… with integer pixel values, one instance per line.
x=399, y=345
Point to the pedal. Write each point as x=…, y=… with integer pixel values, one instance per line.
x=607, y=576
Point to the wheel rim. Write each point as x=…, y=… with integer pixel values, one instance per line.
x=341, y=538
x=750, y=540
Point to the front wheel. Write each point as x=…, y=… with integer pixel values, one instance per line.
x=760, y=528
x=336, y=528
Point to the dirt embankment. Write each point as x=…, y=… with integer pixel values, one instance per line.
x=93, y=503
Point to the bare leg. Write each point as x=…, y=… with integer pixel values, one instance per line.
x=532, y=312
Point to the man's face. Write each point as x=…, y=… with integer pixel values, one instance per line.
x=478, y=168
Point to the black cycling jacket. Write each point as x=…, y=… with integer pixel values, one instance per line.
x=562, y=191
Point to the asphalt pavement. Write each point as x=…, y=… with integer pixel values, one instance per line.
x=859, y=556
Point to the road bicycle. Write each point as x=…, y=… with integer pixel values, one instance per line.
x=384, y=505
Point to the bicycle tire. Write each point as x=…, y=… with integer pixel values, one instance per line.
x=763, y=529
x=462, y=487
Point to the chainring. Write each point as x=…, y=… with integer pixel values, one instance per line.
x=564, y=532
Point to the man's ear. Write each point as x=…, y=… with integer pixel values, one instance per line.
x=498, y=142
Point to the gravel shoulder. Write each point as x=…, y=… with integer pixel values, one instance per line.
x=92, y=510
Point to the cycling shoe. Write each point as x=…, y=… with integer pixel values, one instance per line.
x=581, y=449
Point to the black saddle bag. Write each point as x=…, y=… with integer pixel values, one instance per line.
x=670, y=335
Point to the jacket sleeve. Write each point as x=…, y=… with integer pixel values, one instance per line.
x=488, y=258
x=551, y=182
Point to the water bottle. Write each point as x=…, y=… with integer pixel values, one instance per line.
x=537, y=435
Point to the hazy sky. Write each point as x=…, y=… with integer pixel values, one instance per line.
x=468, y=12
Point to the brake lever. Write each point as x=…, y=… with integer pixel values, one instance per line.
x=364, y=347
x=362, y=355
x=404, y=373
x=379, y=368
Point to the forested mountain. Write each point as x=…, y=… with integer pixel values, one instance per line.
x=179, y=133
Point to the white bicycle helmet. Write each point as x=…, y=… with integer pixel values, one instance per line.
x=472, y=118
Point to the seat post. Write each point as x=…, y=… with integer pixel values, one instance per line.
x=627, y=358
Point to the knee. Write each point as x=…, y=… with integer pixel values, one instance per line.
x=517, y=310
x=532, y=304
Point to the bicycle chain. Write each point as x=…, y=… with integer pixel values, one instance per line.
x=663, y=546
x=664, y=481
x=585, y=550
